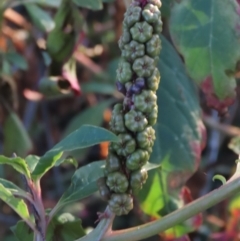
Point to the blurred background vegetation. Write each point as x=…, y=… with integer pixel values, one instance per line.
x=57, y=62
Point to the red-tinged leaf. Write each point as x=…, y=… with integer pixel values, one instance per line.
x=206, y=32
x=212, y=100
x=69, y=73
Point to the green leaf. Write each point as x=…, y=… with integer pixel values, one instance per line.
x=22, y=232
x=166, y=7
x=40, y=17
x=61, y=41
x=90, y=4
x=16, y=204
x=178, y=138
x=10, y=186
x=234, y=145
x=32, y=161
x=17, y=163
x=17, y=60
x=65, y=227
x=84, y=183
x=70, y=160
x=84, y=137
x=91, y=116
x=206, y=33
x=16, y=138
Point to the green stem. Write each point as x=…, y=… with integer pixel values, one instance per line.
x=147, y=230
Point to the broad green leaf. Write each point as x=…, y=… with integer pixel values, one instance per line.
x=65, y=227
x=17, y=163
x=16, y=138
x=166, y=7
x=14, y=189
x=91, y=116
x=84, y=183
x=206, y=33
x=32, y=161
x=16, y=204
x=60, y=43
x=40, y=18
x=17, y=60
x=178, y=138
x=90, y=4
x=22, y=232
x=85, y=136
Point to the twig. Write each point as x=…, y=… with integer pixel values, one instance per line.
x=226, y=129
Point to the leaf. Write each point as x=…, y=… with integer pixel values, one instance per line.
x=234, y=145
x=16, y=204
x=178, y=138
x=84, y=137
x=17, y=60
x=63, y=38
x=10, y=186
x=166, y=7
x=84, y=183
x=32, y=161
x=65, y=227
x=40, y=17
x=16, y=138
x=90, y=4
x=206, y=33
x=92, y=116
x=22, y=232
x=17, y=163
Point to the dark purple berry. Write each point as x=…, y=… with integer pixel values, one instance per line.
x=136, y=89
x=120, y=87
x=140, y=82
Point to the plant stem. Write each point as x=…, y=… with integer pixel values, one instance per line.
x=179, y=216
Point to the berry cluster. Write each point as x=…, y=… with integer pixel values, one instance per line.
x=137, y=79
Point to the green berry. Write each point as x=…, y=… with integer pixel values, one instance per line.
x=153, y=81
x=146, y=101
x=135, y=121
x=153, y=46
x=120, y=204
x=133, y=50
x=103, y=189
x=137, y=179
x=146, y=138
x=137, y=159
x=152, y=116
x=126, y=146
x=144, y=66
x=132, y=15
x=124, y=72
x=157, y=26
x=112, y=163
x=151, y=13
x=141, y=32
x=117, y=182
x=117, y=123
x=126, y=36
